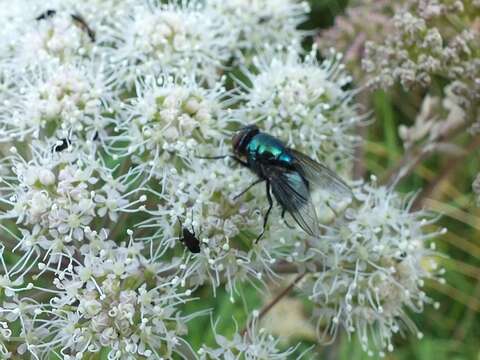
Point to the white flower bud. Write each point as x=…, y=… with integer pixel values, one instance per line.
x=46, y=177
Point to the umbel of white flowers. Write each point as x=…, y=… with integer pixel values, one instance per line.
x=99, y=143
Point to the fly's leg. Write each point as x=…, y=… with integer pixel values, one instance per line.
x=285, y=220
x=219, y=157
x=193, y=230
x=248, y=188
x=180, y=230
x=240, y=161
x=270, y=205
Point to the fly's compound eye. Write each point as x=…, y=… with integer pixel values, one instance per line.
x=241, y=139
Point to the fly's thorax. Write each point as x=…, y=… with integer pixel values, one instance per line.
x=264, y=151
x=267, y=147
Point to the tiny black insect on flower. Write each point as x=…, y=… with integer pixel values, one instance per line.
x=189, y=239
x=83, y=25
x=46, y=14
x=288, y=174
x=61, y=145
x=264, y=19
x=78, y=20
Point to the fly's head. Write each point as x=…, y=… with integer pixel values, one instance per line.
x=242, y=138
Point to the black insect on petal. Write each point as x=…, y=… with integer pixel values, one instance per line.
x=82, y=24
x=46, y=15
x=264, y=19
x=190, y=241
x=61, y=145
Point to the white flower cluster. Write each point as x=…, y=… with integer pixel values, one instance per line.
x=424, y=43
x=367, y=279
x=112, y=211
x=307, y=101
x=53, y=200
x=176, y=38
x=254, y=343
x=259, y=24
x=56, y=100
x=170, y=117
x=113, y=298
x=38, y=36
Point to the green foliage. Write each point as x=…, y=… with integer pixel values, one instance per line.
x=323, y=13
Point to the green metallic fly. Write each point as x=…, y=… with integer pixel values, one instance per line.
x=288, y=174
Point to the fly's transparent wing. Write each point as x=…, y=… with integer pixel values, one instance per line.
x=291, y=191
x=321, y=176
